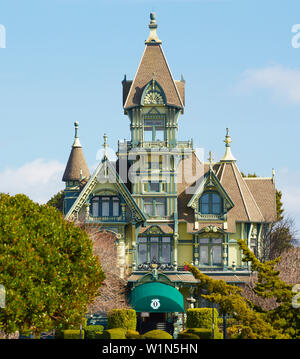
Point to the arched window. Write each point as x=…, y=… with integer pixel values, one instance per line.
x=210, y=203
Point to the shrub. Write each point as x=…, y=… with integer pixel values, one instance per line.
x=91, y=330
x=122, y=318
x=116, y=333
x=157, y=334
x=132, y=334
x=72, y=334
x=202, y=318
x=202, y=333
x=185, y=335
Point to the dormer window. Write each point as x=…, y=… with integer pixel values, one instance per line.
x=210, y=203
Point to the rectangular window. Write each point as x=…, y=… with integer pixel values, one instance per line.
x=105, y=206
x=216, y=255
x=142, y=250
x=166, y=250
x=160, y=207
x=116, y=207
x=95, y=207
x=204, y=255
x=154, y=249
x=148, y=206
x=148, y=134
x=154, y=186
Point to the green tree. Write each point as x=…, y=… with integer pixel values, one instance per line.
x=269, y=285
x=57, y=201
x=46, y=265
x=228, y=297
x=279, y=205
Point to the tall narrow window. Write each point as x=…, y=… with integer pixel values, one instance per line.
x=95, y=207
x=142, y=250
x=154, y=249
x=116, y=207
x=160, y=207
x=210, y=251
x=105, y=206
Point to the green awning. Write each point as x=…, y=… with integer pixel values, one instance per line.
x=156, y=297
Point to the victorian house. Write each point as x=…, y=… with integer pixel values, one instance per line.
x=164, y=205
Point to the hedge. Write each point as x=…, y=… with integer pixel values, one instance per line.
x=91, y=330
x=202, y=318
x=72, y=334
x=185, y=335
x=116, y=333
x=132, y=334
x=122, y=318
x=202, y=333
x=157, y=334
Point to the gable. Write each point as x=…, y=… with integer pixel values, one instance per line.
x=210, y=182
x=105, y=179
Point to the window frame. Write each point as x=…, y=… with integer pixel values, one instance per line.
x=149, y=244
x=154, y=201
x=111, y=199
x=210, y=245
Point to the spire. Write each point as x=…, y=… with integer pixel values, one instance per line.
x=76, y=142
x=153, y=38
x=105, y=145
x=76, y=168
x=210, y=159
x=228, y=155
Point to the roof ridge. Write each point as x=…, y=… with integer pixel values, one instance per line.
x=137, y=71
x=168, y=67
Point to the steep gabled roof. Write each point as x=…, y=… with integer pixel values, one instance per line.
x=105, y=172
x=153, y=64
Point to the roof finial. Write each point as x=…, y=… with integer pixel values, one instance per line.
x=105, y=145
x=153, y=38
x=210, y=159
x=228, y=155
x=76, y=142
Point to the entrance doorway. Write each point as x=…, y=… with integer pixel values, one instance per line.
x=152, y=321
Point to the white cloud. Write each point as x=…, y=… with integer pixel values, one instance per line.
x=288, y=182
x=39, y=179
x=284, y=83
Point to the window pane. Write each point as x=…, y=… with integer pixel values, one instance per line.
x=142, y=253
x=148, y=206
x=205, y=198
x=148, y=134
x=154, y=186
x=204, y=254
x=105, y=206
x=154, y=249
x=95, y=208
x=216, y=240
x=159, y=135
x=116, y=207
x=216, y=253
x=205, y=208
x=216, y=203
x=204, y=240
x=160, y=204
x=166, y=253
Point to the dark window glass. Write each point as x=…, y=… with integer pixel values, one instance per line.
x=210, y=203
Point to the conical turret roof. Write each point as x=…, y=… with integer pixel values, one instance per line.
x=76, y=168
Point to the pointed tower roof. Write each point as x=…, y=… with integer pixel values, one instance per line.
x=153, y=62
x=76, y=168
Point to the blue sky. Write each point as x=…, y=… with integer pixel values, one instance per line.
x=65, y=59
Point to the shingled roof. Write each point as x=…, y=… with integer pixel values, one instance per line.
x=153, y=63
x=254, y=199
x=76, y=168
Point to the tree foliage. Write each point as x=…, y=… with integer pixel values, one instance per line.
x=269, y=285
x=230, y=302
x=57, y=201
x=46, y=265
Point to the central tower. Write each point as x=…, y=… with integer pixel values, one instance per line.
x=153, y=102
